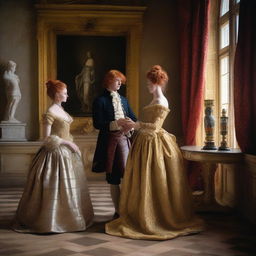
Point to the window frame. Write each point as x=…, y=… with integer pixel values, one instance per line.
x=213, y=74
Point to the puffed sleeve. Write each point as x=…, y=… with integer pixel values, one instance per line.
x=47, y=118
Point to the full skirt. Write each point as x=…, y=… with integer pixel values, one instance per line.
x=56, y=197
x=156, y=201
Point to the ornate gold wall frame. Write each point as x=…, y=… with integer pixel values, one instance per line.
x=88, y=20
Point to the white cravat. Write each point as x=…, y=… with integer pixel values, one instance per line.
x=118, y=110
x=116, y=101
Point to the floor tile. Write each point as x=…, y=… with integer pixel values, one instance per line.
x=226, y=235
x=6, y=252
x=177, y=252
x=88, y=241
x=60, y=252
x=101, y=251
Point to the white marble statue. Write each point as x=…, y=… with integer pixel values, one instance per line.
x=13, y=93
x=84, y=82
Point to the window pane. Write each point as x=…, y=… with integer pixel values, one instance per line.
x=224, y=82
x=224, y=66
x=224, y=35
x=224, y=90
x=237, y=24
x=224, y=8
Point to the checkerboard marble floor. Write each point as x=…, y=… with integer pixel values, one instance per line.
x=226, y=235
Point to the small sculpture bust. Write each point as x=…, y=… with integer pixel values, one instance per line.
x=13, y=93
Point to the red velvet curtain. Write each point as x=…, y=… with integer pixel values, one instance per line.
x=193, y=25
x=245, y=78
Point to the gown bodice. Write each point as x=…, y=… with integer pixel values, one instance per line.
x=154, y=116
x=60, y=126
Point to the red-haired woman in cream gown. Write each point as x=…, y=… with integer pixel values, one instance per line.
x=56, y=196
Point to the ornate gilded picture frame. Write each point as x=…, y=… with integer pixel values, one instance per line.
x=55, y=21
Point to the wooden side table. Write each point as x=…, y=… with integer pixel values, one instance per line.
x=209, y=160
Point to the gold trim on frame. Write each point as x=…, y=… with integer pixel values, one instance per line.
x=91, y=20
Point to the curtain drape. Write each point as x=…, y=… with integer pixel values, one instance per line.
x=245, y=78
x=193, y=24
x=193, y=27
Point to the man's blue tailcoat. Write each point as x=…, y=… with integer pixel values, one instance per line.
x=103, y=114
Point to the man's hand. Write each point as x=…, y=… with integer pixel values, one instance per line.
x=121, y=122
x=128, y=125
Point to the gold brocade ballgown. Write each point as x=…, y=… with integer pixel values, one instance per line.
x=156, y=201
x=56, y=197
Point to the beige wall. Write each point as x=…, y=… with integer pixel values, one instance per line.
x=160, y=46
x=18, y=43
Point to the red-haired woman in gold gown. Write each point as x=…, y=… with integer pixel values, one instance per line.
x=156, y=201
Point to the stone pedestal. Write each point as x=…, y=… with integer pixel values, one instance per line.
x=12, y=131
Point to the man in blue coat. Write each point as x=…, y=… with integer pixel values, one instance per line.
x=111, y=115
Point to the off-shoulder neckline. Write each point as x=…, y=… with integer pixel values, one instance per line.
x=157, y=105
x=60, y=117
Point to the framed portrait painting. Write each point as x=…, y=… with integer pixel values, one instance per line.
x=78, y=44
x=82, y=62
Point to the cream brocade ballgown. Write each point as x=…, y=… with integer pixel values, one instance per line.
x=156, y=201
x=56, y=196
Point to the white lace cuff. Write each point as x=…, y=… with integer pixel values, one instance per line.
x=52, y=142
x=113, y=126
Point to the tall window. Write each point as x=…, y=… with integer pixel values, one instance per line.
x=228, y=28
x=223, y=32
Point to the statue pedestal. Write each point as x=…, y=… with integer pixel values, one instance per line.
x=12, y=131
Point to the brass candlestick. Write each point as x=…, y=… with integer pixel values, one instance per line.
x=209, y=124
x=223, y=131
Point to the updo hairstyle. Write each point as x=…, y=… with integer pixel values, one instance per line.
x=111, y=76
x=54, y=86
x=157, y=76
